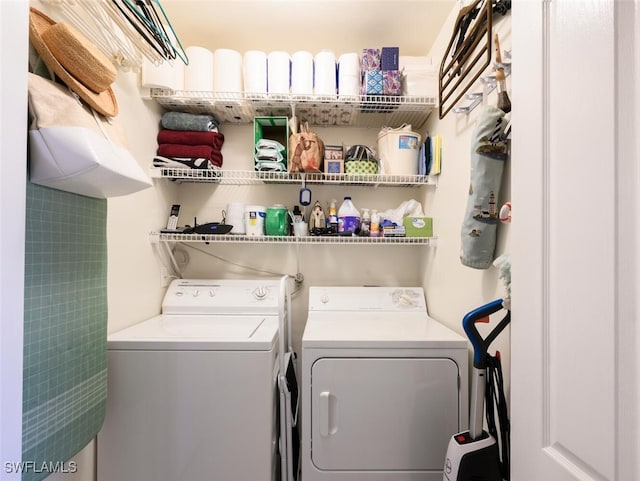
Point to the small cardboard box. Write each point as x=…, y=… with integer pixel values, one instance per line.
x=418, y=226
x=272, y=128
x=333, y=159
x=390, y=58
x=391, y=82
x=372, y=82
x=371, y=59
x=393, y=231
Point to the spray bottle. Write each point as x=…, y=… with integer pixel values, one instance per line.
x=365, y=225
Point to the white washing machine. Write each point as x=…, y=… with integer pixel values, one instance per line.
x=384, y=386
x=192, y=393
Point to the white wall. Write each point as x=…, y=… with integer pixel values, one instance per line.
x=453, y=289
x=134, y=286
x=320, y=264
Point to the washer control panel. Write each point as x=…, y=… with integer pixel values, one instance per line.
x=221, y=296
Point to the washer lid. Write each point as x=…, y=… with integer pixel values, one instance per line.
x=198, y=332
x=378, y=329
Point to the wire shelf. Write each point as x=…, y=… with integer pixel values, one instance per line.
x=248, y=177
x=352, y=110
x=244, y=239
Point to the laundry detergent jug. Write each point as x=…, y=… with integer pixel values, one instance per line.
x=276, y=221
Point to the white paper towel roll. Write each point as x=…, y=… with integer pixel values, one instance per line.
x=198, y=75
x=255, y=73
x=164, y=76
x=278, y=73
x=349, y=64
x=348, y=76
x=302, y=73
x=235, y=217
x=227, y=71
x=325, y=73
x=349, y=87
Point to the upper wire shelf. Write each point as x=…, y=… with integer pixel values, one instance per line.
x=248, y=177
x=352, y=110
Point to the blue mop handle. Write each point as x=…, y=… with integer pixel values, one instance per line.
x=480, y=344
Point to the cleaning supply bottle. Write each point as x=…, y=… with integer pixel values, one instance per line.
x=298, y=216
x=333, y=215
x=295, y=217
x=374, y=230
x=348, y=216
x=365, y=225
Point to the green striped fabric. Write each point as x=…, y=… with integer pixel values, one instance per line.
x=65, y=330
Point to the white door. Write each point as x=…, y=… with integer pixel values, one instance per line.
x=574, y=398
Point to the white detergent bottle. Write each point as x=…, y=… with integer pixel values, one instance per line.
x=374, y=230
x=365, y=226
x=348, y=216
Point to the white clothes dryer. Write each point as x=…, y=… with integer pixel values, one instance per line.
x=192, y=393
x=383, y=386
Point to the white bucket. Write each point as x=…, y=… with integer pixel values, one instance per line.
x=254, y=219
x=399, y=151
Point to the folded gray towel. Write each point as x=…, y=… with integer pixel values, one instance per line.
x=186, y=121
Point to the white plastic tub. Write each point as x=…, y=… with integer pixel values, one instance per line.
x=399, y=151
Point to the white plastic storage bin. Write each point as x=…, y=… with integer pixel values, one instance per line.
x=399, y=151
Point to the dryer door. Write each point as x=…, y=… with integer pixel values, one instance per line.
x=383, y=413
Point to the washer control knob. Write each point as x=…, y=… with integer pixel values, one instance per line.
x=196, y=293
x=324, y=298
x=212, y=293
x=260, y=293
x=405, y=300
x=179, y=293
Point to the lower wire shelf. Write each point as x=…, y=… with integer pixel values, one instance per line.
x=244, y=239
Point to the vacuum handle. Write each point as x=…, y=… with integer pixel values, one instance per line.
x=480, y=344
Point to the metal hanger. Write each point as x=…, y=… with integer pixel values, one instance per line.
x=123, y=32
x=144, y=17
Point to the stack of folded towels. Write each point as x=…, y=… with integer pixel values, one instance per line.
x=189, y=141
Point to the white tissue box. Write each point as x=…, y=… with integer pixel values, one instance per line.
x=418, y=226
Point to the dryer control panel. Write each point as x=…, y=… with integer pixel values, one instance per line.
x=381, y=299
x=221, y=296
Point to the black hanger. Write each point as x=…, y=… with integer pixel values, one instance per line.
x=153, y=27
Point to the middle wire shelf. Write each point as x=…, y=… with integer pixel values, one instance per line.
x=249, y=177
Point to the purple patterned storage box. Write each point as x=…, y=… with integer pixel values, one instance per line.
x=391, y=82
x=371, y=59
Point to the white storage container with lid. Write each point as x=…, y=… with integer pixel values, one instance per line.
x=254, y=219
x=399, y=150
